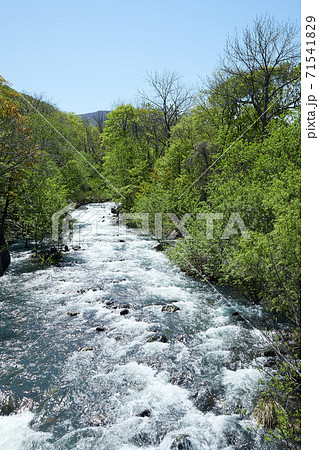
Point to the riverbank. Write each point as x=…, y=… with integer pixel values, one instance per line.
x=4, y=254
x=279, y=404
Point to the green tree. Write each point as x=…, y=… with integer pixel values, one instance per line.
x=42, y=194
x=18, y=152
x=128, y=158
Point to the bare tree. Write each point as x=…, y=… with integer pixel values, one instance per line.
x=169, y=96
x=260, y=69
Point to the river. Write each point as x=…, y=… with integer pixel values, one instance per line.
x=89, y=359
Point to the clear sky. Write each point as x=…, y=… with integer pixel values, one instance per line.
x=86, y=56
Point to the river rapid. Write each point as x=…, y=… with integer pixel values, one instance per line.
x=90, y=360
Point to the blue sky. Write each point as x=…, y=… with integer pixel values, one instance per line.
x=87, y=56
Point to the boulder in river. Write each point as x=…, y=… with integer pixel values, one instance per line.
x=108, y=303
x=81, y=291
x=212, y=400
x=159, y=247
x=145, y=413
x=8, y=405
x=121, y=306
x=73, y=313
x=181, y=442
x=116, y=209
x=170, y=308
x=157, y=338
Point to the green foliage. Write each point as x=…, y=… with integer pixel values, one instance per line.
x=128, y=157
x=43, y=193
x=46, y=161
x=278, y=409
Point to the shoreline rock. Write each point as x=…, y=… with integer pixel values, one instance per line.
x=5, y=258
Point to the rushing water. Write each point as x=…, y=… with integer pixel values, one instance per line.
x=149, y=378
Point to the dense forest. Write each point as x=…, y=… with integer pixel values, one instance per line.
x=48, y=158
x=231, y=149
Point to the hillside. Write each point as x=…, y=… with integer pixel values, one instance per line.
x=96, y=118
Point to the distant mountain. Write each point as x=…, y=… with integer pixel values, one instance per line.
x=96, y=118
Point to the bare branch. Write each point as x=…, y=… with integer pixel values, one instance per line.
x=170, y=97
x=258, y=67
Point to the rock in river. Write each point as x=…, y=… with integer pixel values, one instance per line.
x=181, y=443
x=171, y=308
x=145, y=413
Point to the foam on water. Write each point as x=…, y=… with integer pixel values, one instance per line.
x=192, y=370
x=16, y=434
